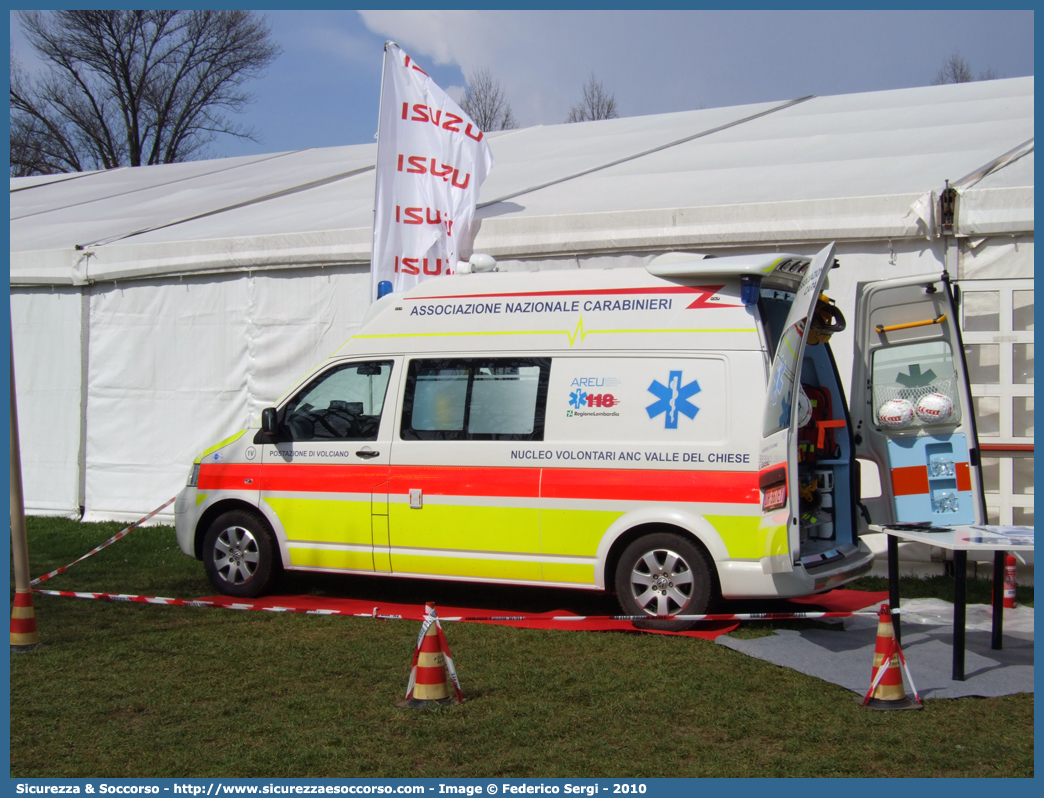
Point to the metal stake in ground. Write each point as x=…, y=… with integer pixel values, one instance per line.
x=23, y=620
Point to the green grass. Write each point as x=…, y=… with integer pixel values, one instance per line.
x=124, y=690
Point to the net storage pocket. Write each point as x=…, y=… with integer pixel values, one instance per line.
x=932, y=405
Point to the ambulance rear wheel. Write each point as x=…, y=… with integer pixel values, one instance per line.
x=664, y=574
x=240, y=554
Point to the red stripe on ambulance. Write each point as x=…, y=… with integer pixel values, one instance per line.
x=308, y=478
x=231, y=476
x=728, y=487
x=465, y=481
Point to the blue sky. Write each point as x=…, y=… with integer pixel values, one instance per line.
x=324, y=89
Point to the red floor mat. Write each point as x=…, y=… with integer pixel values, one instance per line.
x=841, y=600
x=834, y=601
x=527, y=620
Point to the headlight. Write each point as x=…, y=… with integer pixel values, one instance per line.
x=193, y=476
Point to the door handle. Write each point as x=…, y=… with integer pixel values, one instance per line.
x=366, y=453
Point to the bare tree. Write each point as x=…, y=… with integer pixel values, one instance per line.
x=29, y=137
x=128, y=88
x=485, y=103
x=956, y=70
x=594, y=104
x=29, y=155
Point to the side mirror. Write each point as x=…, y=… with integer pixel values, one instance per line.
x=269, y=421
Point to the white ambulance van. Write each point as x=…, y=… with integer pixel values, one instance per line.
x=674, y=435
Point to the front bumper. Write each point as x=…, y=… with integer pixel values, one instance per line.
x=185, y=520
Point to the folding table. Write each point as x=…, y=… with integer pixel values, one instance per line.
x=960, y=540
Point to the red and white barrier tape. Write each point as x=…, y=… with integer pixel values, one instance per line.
x=176, y=602
x=106, y=544
x=131, y=598
x=423, y=616
x=739, y=616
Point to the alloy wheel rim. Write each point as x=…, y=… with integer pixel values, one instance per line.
x=661, y=583
x=236, y=555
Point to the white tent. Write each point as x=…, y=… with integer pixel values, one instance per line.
x=156, y=310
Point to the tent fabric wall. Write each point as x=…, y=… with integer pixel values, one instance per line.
x=175, y=367
x=46, y=326
x=1000, y=202
x=997, y=258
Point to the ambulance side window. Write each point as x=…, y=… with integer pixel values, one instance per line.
x=475, y=399
x=344, y=403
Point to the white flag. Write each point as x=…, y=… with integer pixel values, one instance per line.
x=431, y=161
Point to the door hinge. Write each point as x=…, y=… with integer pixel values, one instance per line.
x=947, y=208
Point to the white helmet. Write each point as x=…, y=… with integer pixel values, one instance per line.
x=896, y=413
x=934, y=408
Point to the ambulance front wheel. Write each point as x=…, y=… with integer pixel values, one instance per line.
x=664, y=574
x=240, y=554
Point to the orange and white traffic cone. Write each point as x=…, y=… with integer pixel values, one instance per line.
x=1009, y=582
x=433, y=679
x=886, y=682
x=23, y=622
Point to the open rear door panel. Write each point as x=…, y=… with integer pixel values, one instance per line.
x=911, y=406
x=778, y=463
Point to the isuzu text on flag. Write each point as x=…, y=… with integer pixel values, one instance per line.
x=431, y=160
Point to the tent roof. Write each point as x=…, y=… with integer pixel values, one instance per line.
x=846, y=166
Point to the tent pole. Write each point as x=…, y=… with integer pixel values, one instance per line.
x=85, y=345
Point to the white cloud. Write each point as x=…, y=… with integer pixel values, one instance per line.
x=447, y=37
x=652, y=61
x=343, y=46
x=508, y=43
x=660, y=61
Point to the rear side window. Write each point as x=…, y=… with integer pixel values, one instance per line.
x=485, y=399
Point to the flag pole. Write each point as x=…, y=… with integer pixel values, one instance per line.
x=377, y=182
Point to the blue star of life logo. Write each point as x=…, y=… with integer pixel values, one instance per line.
x=578, y=398
x=672, y=399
